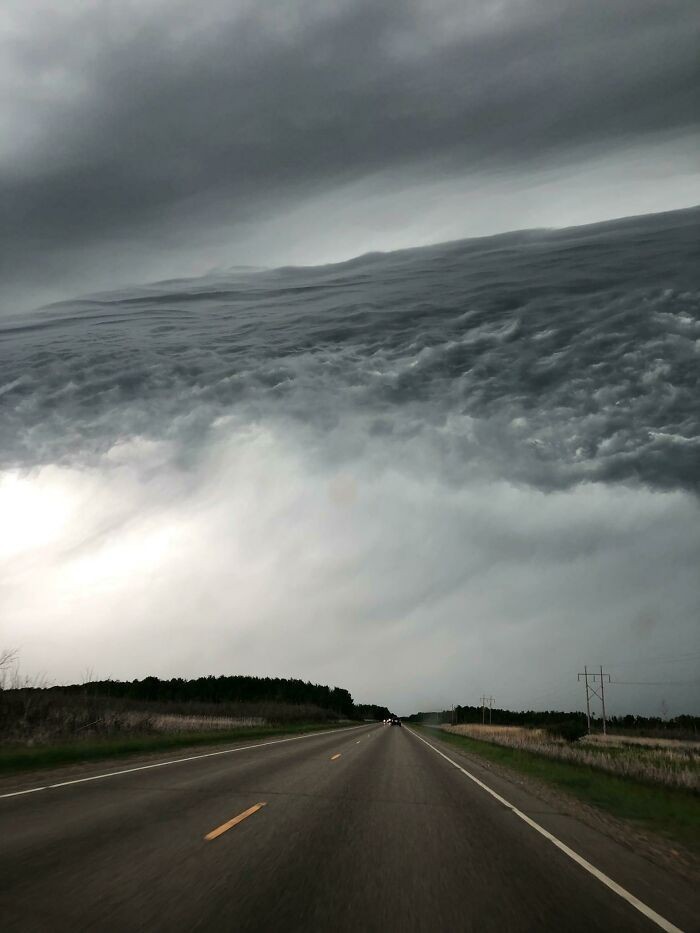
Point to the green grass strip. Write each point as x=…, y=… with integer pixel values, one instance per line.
x=20, y=758
x=669, y=812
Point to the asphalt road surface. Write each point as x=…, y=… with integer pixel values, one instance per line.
x=361, y=829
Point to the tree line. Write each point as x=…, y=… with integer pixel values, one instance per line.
x=371, y=711
x=238, y=688
x=507, y=717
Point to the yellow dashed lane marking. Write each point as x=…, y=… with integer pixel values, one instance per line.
x=234, y=822
x=333, y=757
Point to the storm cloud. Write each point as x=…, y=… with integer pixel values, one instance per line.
x=479, y=460
x=143, y=138
x=306, y=449
x=545, y=358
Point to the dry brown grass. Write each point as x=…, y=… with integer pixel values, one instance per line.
x=35, y=717
x=171, y=722
x=669, y=763
x=619, y=741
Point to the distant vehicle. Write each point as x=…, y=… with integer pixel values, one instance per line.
x=395, y=721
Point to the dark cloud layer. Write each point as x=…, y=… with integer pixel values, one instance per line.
x=139, y=127
x=544, y=358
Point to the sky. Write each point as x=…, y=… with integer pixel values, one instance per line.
x=159, y=138
x=274, y=472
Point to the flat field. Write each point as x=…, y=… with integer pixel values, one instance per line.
x=665, y=762
x=653, y=788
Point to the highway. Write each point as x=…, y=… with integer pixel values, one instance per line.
x=369, y=828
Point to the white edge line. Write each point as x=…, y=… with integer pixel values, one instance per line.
x=176, y=761
x=603, y=878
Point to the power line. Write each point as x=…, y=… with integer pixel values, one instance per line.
x=557, y=688
x=654, y=683
x=628, y=663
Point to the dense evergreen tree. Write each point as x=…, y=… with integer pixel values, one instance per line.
x=224, y=689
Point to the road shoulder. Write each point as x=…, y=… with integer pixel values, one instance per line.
x=652, y=869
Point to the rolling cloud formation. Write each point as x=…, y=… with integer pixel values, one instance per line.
x=419, y=475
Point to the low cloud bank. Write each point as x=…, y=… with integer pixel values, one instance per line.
x=374, y=576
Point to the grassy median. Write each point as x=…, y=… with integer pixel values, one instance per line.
x=15, y=758
x=669, y=812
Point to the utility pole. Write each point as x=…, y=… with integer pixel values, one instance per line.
x=484, y=701
x=595, y=689
x=588, y=698
x=602, y=694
